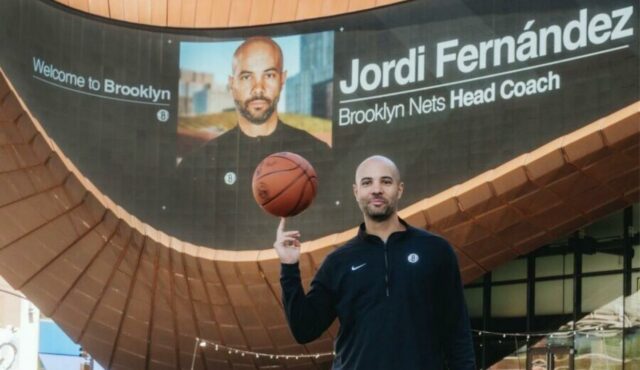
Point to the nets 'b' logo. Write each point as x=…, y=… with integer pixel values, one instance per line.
x=230, y=178
x=413, y=258
x=162, y=115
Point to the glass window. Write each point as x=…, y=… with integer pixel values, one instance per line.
x=473, y=298
x=636, y=256
x=601, y=262
x=516, y=269
x=554, y=265
x=554, y=297
x=632, y=302
x=509, y=300
x=632, y=349
x=607, y=227
x=597, y=291
x=477, y=281
x=604, y=350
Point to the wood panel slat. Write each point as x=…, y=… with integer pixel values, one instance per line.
x=284, y=11
x=174, y=13
x=131, y=11
x=240, y=12
x=357, y=5
x=308, y=9
x=188, y=13
x=334, y=7
x=99, y=8
x=219, y=13
x=261, y=12
x=204, y=9
x=159, y=12
x=80, y=5
x=145, y=11
x=116, y=9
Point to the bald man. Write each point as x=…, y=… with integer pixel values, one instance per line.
x=395, y=289
x=216, y=201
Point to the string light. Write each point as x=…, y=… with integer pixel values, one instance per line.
x=596, y=332
x=242, y=352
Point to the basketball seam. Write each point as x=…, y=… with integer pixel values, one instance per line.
x=277, y=171
x=313, y=186
x=304, y=188
x=296, y=163
x=284, y=189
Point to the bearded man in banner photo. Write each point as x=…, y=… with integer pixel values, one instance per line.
x=215, y=179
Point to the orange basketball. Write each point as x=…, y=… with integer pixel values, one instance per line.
x=284, y=184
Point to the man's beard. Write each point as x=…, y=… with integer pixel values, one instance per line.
x=243, y=108
x=379, y=215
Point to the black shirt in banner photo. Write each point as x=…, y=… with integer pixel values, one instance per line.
x=214, y=196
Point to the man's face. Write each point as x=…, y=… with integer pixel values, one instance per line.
x=377, y=189
x=256, y=82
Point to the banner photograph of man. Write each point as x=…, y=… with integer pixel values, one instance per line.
x=214, y=178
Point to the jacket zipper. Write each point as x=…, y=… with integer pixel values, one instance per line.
x=386, y=268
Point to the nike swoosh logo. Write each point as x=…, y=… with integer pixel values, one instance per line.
x=354, y=268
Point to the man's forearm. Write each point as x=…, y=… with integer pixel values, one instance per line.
x=308, y=315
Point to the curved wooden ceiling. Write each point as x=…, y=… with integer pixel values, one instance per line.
x=219, y=13
x=136, y=298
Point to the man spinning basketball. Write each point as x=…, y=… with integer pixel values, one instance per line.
x=395, y=289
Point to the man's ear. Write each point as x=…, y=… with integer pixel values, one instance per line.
x=283, y=77
x=355, y=191
x=230, y=83
x=400, y=189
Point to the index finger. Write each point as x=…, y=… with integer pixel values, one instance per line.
x=281, y=225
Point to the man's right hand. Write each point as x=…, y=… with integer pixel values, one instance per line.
x=287, y=244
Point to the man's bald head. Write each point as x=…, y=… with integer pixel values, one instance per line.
x=378, y=159
x=258, y=43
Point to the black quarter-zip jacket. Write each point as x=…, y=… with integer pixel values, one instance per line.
x=400, y=304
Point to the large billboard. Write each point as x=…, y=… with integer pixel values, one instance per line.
x=170, y=124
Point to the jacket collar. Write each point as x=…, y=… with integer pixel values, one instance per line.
x=363, y=235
